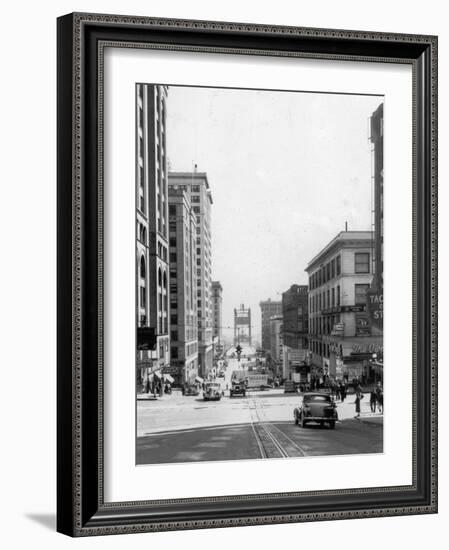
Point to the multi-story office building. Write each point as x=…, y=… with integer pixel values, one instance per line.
x=217, y=310
x=152, y=226
x=375, y=294
x=340, y=337
x=269, y=309
x=196, y=186
x=183, y=305
x=276, y=344
x=295, y=306
x=377, y=139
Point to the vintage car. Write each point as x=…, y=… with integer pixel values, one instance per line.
x=289, y=386
x=212, y=392
x=316, y=407
x=238, y=388
x=191, y=390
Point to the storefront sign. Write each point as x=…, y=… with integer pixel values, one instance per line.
x=344, y=309
x=367, y=348
x=362, y=326
x=375, y=303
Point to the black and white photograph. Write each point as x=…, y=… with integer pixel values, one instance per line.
x=259, y=274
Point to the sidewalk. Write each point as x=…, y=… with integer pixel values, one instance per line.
x=346, y=410
x=151, y=397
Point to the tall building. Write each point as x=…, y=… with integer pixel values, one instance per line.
x=276, y=344
x=295, y=307
x=242, y=325
x=340, y=337
x=183, y=305
x=375, y=294
x=152, y=228
x=269, y=309
x=196, y=187
x=217, y=309
x=377, y=139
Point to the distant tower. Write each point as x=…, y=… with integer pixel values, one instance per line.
x=242, y=325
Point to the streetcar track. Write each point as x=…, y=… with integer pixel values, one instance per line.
x=272, y=441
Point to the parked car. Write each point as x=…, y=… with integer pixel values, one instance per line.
x=289, y=386
x=238, y=389
x=191, y=390
x=212, y=392
x=316, y=407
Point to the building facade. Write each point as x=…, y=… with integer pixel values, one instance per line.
x=377, y=139
x=295, y=313
x=269, y=309
x=217, y=310
x=276, y=344
x=152, y=226
x=183, y=305
x=196, y=187
x=375, y=294
x=340, y=338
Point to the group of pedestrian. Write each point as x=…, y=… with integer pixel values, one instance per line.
x=156, y=387
x=376, y=399
x=338, y=390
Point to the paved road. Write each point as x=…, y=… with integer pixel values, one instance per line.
x=184, y=429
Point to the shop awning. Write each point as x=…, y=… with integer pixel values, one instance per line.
x=169, y=378
x=199, y=379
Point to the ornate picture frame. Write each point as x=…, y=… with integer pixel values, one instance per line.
x=81, y=507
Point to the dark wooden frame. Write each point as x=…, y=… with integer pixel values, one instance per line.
x=81, y=510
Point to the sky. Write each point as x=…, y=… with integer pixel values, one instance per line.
x=286, y=171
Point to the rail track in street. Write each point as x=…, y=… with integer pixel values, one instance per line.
x=272, y=441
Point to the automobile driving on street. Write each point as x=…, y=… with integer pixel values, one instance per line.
x=316, y=407
x=238, y=388
x=212, y=392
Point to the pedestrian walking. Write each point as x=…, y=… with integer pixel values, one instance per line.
x=358, y=399
x=342, y=391
x=380, y=397
x=373, y=400
x=337, y=391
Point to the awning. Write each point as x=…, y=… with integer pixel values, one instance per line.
x=199, y=379
x=169, y=378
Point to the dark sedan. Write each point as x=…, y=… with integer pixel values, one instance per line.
x=316, y=407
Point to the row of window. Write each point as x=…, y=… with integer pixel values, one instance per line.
x=325, y=273
x=325, y=299
x=331, y=297
x=323, y=325
x=333, y=269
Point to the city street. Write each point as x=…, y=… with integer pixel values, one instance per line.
x=185, y=428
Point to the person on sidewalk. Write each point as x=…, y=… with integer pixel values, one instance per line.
x=342, y=391
x=373, y=400
x=337, y=391
x=358, y=398
x=380, y=397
